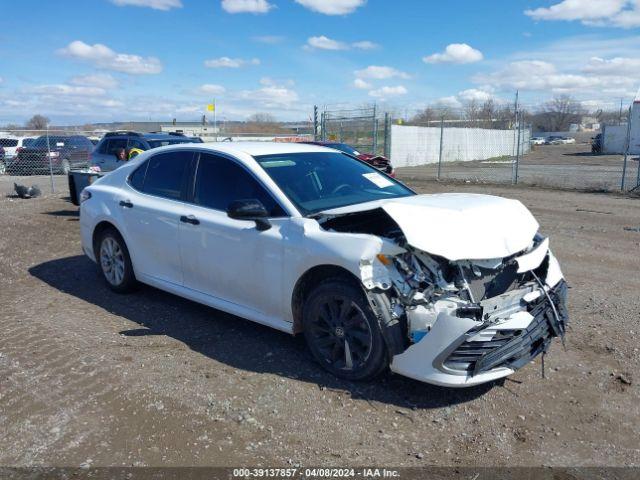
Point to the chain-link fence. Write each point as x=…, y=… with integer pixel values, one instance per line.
x=507, y=151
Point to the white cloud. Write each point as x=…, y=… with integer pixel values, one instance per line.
x=598, y=77
x=364, y=45
x=474, y=94
x=100, y=80
x=271, y=96
x=226, y=62
x=361, y=84
x=103, y=57
x=387, y=92
x=615, y=66
x=155, y=4
x=378, y=72
x=210, y=89
x=456, y=53
x=332, y=7
x=68, y=90
x=246, y=6
x=450, y=102
x=325, y=43
x=617, y=13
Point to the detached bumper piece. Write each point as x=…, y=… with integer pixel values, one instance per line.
x=515, y=348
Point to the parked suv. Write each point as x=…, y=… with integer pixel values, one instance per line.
x=105, y=153
x=12, y=145
x=58, y=153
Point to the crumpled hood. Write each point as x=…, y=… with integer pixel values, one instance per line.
x=459, y=226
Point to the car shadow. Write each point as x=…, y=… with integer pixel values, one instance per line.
x=236, y=342
x=64, y=213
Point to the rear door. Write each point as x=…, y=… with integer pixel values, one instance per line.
x=151, y=211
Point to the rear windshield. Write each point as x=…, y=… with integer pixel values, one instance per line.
x=53, y=142
x=8, y=142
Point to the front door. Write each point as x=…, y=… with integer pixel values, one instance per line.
x=226, y=258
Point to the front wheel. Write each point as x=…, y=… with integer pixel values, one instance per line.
x=342, y=331
x=115, y=262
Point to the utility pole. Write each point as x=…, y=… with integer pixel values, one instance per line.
x=620, y=115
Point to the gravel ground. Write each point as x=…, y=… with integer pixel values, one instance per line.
x=557, y=166
x=90, y=377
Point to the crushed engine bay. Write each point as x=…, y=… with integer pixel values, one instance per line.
x=478, y=317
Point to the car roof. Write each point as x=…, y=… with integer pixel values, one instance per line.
x=255, y=148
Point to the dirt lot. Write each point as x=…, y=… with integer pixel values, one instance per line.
x=558, y=166
x=90, y=377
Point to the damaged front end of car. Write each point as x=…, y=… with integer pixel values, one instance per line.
x=464, y=321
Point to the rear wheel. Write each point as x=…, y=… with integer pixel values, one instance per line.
x=342, y=331
x=115, y=262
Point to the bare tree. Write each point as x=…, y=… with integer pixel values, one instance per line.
x=558, y=114
x=432, y=114
x=37, y=122
x=472, y=111
x=262, y=118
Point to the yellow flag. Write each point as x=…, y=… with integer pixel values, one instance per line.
x=211, y=107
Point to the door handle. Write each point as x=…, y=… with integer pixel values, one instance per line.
x=126, y=204
x=189, y=219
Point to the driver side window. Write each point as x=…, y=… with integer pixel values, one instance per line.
x=220, y=181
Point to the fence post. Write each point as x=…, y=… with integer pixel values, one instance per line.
x=323, y=126
x=441, y=138
x=53, y=190
x=514, y=179
x=375, y=131
x=315, y=123
x=387, y=135
x=626, y=151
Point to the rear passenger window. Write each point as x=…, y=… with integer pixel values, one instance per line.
x=220, y=181
x=136, y=179
x=167, y=173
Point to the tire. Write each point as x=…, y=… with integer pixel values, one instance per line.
x=343, y=332
x=114, y=262
x=65, y=167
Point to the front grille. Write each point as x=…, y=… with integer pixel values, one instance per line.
x=515, y=348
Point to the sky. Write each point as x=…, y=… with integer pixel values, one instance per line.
x=81, y=61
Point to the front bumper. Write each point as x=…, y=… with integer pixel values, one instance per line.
x=462, y=352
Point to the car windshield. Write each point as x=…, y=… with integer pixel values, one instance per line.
x=317, y=181
x=168, y=141
x=343, y=147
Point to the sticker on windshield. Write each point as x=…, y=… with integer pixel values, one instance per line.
x=378, y=179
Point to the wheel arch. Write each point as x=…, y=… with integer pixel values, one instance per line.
x=101, y=227
x=308, y=280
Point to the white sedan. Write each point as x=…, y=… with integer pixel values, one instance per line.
x=449, y=289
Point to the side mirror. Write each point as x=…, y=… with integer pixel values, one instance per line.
x=250, y=209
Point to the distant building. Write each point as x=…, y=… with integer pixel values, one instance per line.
x=614, y=137
x=192, y=129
